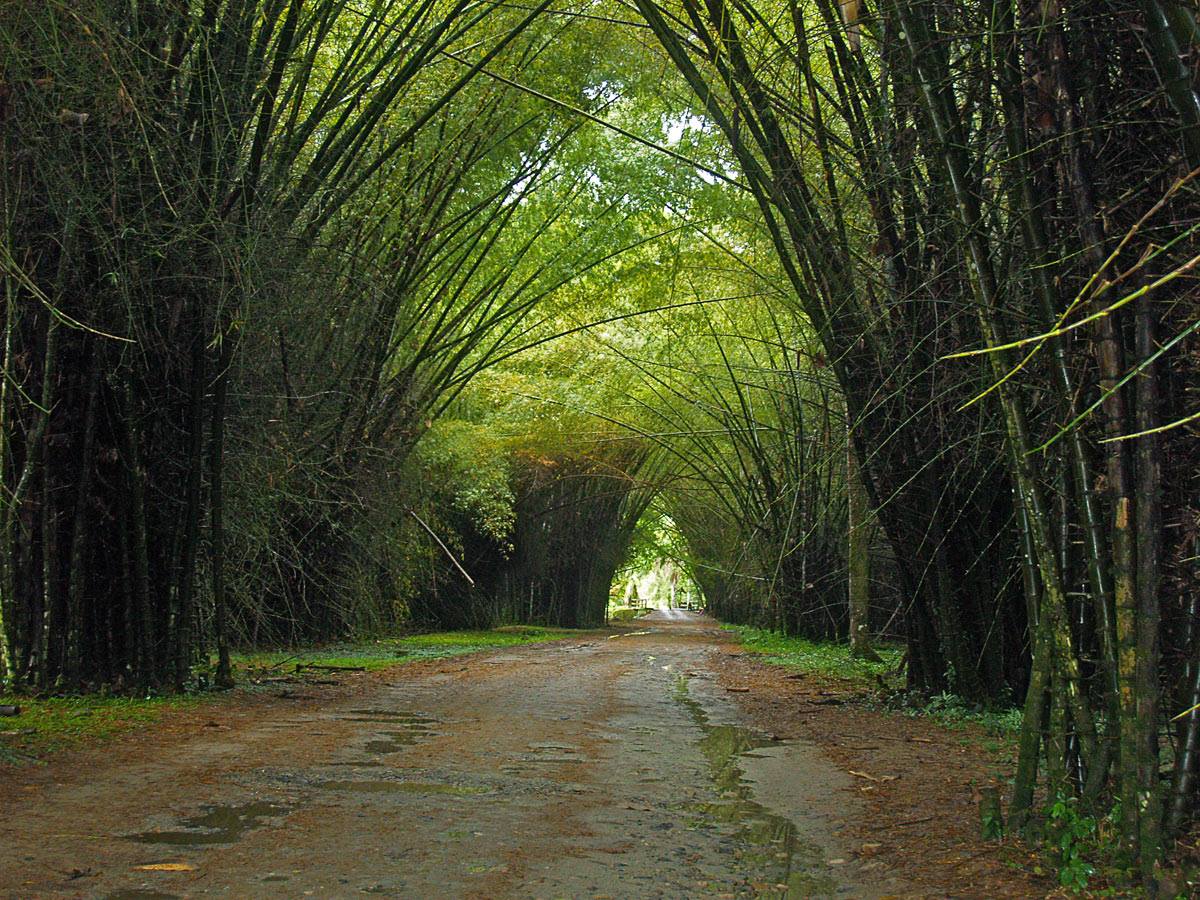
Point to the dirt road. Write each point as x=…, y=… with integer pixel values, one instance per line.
x=607, y=767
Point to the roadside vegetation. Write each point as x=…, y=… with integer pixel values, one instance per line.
x=826, y=658
x=50, y=724
x=382, y=653
x=879, y=682
x=619, y=614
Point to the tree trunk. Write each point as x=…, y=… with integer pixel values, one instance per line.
x=942, y=115
x=858, y=555
x=185, y=587
x=1167, y=56
x=8, y=666
x=77, y=574
x=148, y=672
x=216, y=469
x=1149, y=561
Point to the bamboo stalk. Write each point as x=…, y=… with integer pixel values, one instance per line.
x=216, y=467
x=1082, y=477
x=1148, y=529
x=8, y=667
x=939, y=108
x=1110, y=358
x=1167, y=55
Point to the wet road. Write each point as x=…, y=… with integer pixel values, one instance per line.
x=597, y=768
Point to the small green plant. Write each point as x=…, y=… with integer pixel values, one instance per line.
x=991, y=827
x=991, y=818
x=953, y=711
x=1070, y=836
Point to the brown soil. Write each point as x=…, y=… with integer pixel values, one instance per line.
x=919, y=781
x=618, y=767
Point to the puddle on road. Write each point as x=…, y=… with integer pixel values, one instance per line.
x=395, y=741
x=401, y=787
x=411, y=728
x=391, y=717
x=776, y=852
x=551, y=745
x=217, y=825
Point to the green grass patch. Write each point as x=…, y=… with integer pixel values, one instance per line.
x=626, y=613
x=1000, y=725
x=818, y=658
x=384, y=652
x=53, y=724
x=50, y=725
x=835, y=660
x=953, y=711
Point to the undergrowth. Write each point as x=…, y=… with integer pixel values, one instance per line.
x=882, y=678
x=953, y=711
x=818, y=658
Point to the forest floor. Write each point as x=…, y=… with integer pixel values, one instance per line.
x=660, y=760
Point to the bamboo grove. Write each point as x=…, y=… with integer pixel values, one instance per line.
x=218, y=176
x=985, y=212
x=326, y=317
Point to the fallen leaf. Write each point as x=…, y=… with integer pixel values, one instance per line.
x=69, y=117
x=870, y=777
x=167, y=867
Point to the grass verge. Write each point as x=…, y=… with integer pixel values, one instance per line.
x=834, y=661
x=626, y=613
x=54, y=724
x=384, y=652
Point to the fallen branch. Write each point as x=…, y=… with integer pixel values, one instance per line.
x=446, y=549
x=302, y=666
x=914, y=821
x=875, y=778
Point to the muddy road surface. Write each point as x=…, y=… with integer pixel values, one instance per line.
x=604, y=767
